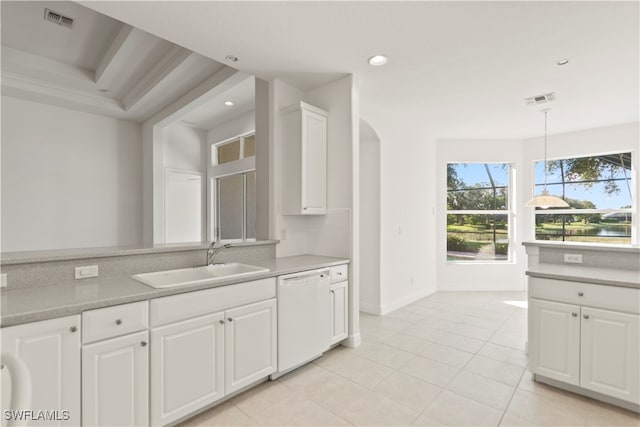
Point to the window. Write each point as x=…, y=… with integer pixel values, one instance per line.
x=478, y=216
x=598, y=190
x=232, y=178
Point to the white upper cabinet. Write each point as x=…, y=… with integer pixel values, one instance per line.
x=305, y=160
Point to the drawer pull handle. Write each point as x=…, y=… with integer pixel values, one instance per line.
x=230, y=319
x=574, y=314
x=580, y=294
x=221, y=322
x=143, y=343
x=73, y=329
x=586, y=316
x=118, y=322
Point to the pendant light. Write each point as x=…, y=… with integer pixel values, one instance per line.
x=546, y=200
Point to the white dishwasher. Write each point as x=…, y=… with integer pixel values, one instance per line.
x=304, y=318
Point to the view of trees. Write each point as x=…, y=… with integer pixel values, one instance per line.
x=582, y=182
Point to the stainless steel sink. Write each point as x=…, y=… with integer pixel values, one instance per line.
x=198, y=275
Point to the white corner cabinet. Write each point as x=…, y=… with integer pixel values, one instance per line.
x=586, y=336
x=50, y=350
x=304, y=150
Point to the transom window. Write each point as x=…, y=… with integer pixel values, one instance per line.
x=598, y=190
x=232, y=190
x=478, y=214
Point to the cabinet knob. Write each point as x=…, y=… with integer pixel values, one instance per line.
x=230, y=319
x=221, y=322
x=580, y=294
x=305, y=208
x=73, y=328
x=574, y=314
x=118, y=321
x=586, y=316
x=143, y=344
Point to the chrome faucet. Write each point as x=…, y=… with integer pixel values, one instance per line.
x=213, y=251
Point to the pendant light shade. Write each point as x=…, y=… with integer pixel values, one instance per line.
x=546, y=200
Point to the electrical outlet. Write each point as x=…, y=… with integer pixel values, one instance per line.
x=573, y=258
x=86, y=271
x=3, y=280
x=283, y=234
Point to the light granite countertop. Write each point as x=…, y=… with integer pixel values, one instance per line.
x=42, y=303
x=599, y=276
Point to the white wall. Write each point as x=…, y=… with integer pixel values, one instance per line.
x=607, y=140
x=369, y=221
x=184, y=147
x=69, y=179
x=479, y=276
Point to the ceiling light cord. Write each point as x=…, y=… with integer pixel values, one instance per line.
x=545, y=149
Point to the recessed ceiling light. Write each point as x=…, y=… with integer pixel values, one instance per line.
x=228, y=103
x=563, y=61
x=377, y=60
x=232, y=58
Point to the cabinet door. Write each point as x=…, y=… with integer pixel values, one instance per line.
x=51, y=351
x=339, y=314
x=187, y=361
x=314, y=163
x=250, y=344
x=610, y=353
x=554, y=340
x=115, y=381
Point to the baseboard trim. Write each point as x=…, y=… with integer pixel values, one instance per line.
x=352, y=341
x=401, y=302
x=370, y=308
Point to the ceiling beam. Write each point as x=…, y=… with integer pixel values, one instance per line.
x=166, y=67
x=107, y=68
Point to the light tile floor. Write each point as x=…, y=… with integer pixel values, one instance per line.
x=454, y=359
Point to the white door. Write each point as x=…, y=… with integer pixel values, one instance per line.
x=314, y=162
x=51, y=351
x=339, y=311
x=554, y=340
x=187, y=361
x=115, y=381
x=183, y=206
x=610, y=353
x=250, y=344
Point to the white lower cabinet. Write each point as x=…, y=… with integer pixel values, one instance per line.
x=50, y=350
x=115, y=380
x=610, y=351
x=250, y=344
x=198, y=360
x=339, y=309
x=554, y=340
x=591, y=345
x=187, y=362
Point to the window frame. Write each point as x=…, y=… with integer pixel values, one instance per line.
x=631, y=178
x=509, y=212
x=242, y=166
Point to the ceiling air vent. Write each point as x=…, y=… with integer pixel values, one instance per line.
x=541, y=99
x=57, y=18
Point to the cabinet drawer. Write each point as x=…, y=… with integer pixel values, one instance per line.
x=114, y=321
x=193, y=304
x=586, y=294
x=339, y=273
